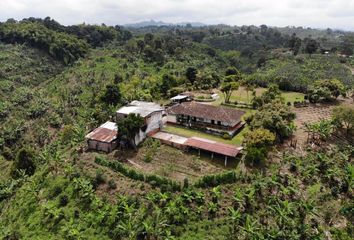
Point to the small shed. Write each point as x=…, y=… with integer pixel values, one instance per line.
x=181, y=98
x=103, y=138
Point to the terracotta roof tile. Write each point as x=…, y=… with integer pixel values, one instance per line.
x=229, y=115
x=212, y=146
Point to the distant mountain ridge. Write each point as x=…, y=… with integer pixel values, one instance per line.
x=153, y=23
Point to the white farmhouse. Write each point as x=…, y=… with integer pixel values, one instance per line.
x=151, y=112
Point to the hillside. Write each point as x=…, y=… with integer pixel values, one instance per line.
x=52, y=186
x=300, y=72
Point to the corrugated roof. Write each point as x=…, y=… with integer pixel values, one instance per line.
x=107, y=132
x=212, y=146
x=229, y=115
x=178, y=97
x=141, y=108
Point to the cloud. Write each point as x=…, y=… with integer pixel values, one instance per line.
x=314, y=13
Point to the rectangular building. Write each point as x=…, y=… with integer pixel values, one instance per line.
x=151, y=112
x=219, y=120
x=103, y=138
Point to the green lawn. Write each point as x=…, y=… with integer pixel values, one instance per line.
x=237, y=140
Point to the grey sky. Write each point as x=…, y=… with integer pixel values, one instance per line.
x=313, y=13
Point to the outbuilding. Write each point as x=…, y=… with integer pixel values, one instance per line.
x=103, y=138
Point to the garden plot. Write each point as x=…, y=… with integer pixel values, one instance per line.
x=161, y=160
x=313, y=113
x=169, y=162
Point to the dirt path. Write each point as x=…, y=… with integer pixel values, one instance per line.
x=350, y=68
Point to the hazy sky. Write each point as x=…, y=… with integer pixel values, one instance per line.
x=313, y=13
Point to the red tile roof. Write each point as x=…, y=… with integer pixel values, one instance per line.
x=229, y=115
x=212, y=146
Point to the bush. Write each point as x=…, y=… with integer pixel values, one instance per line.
x=185, y=183
x=259, y=137
x=256, y=155
x=25, y=161
x=112, y=184
x=63, y=200
x=226, y=136
x=100, y=178
x=217, y=179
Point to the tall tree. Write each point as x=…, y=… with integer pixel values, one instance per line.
x=191, y=74
x=112, y=95
x=343, y=116
x=311, y=46
x=129, y=127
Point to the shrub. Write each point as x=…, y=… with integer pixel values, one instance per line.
x=226, y=136
x=100, y=178
x=256, y=155
x=63, y=200
x=217, y=179
x=25, y=161
x=112, y=184
x=185, y=183
x=259, y=137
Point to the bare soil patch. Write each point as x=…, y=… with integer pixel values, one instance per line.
x=313, y=113
x=173, y=163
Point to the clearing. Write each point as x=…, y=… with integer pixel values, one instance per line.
x=242, y=96
x=166, y=161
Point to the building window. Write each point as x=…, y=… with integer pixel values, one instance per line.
x=219, y=123
x=212, y=121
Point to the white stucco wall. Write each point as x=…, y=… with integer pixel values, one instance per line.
x=102, y=146
x=172, y=118
x=153, y=123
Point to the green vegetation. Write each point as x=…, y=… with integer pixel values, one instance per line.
x=327, y=90
x=130, y=126
x=297, y=73
x=343, y=118
x=59, y=45
x=59, y=82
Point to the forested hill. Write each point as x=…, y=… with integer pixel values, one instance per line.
x=66, y=44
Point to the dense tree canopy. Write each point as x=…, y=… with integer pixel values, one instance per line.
x=112, y=95
x=326, y=90
x=62, y=46
x=276, y=117
x=130, y=126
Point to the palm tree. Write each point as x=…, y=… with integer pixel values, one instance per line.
x=250, y=227
x=249, y=88
x=212, y=209
x=237, y=198
x=216, y=193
